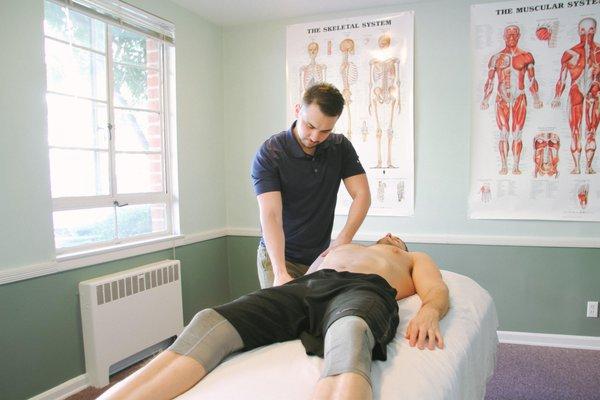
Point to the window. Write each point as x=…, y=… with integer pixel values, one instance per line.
x=109, y=124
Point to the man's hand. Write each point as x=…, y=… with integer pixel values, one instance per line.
x=424, y=330
x=337, y=242
x=282, y=278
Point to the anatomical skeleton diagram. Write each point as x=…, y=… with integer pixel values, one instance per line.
x=313, y=72
x=384, y=89
x=349, y=74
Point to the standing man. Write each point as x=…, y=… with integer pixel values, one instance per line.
x=296, y=176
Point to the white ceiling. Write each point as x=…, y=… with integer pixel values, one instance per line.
x=237, y=12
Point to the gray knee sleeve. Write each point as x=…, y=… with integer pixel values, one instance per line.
x=348, y=347
x=208, y=339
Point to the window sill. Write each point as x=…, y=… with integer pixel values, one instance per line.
x=115, y=252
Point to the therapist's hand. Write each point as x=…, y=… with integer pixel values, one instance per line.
x=337, y=242
x=282, y=278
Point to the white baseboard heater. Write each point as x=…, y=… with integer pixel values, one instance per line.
x=127, y=312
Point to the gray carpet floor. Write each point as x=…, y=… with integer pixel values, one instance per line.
x=544, y=373
x=521, y=373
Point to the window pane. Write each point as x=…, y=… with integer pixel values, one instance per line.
x=141, y=219
x=78, y=172
x=133, y=48
x=136, y=87
x=73, y=27
x=79, y=227
x=75, y=71
x=139, y=173
x=55, y=21
x=76, y=122
x=87, y=31
x=137, y=131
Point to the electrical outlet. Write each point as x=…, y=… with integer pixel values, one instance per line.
x=592, y=309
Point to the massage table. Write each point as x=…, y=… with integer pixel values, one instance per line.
x=283, y=371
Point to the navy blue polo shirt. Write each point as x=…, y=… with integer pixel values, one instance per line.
x=308, y=186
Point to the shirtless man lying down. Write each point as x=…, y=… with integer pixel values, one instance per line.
x=344, y=309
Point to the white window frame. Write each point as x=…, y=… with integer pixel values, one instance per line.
x=169, y=194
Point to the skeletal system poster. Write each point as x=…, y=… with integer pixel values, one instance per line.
x=535, y=110
x=370, y=60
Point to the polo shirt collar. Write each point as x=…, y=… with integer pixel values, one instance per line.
x=295, y=148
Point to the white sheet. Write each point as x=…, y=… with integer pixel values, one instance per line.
x=283, y=371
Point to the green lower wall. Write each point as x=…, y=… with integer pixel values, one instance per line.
x=536, y=289
x=41, y=344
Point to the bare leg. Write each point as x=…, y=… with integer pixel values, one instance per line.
x=346, y=386
x=165, y=377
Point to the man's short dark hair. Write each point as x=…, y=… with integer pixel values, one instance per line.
x=328, y=98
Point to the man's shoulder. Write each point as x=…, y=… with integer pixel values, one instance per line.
x=274, y=145
x=338, y=140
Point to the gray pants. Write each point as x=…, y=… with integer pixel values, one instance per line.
x=265, y=268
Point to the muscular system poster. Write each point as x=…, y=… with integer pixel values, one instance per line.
x=370, y=60
x=535, y=110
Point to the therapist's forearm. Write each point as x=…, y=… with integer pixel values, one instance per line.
x=272, y=231
x=358, y=211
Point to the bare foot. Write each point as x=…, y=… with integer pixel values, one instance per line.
x=576, y=170
x=590, y=170
x=503, y=171
x=516, y=171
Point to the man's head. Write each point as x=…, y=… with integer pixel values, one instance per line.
x=393, y=241
x=322, y=105
x=512, y=33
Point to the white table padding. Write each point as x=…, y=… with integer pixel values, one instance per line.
x=460, y=371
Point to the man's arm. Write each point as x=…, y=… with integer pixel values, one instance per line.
x=271, y=220
x=358, y=188
x=424, y=330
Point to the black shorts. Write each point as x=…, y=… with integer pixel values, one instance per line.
x=305, y=308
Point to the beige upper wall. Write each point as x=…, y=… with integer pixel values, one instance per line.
x=255, y=100
x=25, y=203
